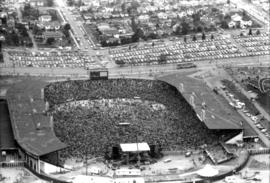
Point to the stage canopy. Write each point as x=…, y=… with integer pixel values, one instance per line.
x=134, y=147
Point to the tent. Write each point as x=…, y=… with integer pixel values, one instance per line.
x=207, y=171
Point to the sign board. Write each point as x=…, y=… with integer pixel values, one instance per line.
x=97, y=74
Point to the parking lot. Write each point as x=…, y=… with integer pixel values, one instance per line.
x=180, y=51
x=256, y=44
x=52, y=59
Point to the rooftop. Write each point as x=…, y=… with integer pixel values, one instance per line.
x=31, y=127
x=218, y=113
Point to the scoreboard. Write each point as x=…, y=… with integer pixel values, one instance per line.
x=96, y=74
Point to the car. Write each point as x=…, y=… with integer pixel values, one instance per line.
x=167, y=160
x=188, y=153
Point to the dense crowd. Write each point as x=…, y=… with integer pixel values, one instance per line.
x=93, y=127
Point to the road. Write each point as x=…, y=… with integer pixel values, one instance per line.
x=76, y=27
x=135, y=71
x=253, y=10
x=243, y=61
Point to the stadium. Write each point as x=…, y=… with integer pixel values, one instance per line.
x=54, y=121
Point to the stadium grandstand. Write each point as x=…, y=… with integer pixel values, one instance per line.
x=33, y=128
x=211, y=108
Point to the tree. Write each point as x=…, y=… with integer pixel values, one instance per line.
x=15, y=38
x=203, y=36
x=194, y=38
x=137, y=35
x=196, y=18
x=178, y=30
x=185, y=28
x=224, y=24
x=50, y=41
x=250, y=32
x=199, y=28
x=162, y=59
x=134, y=26
x=50, y=3
x=70, y=2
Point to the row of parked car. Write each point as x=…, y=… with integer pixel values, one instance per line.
x=62, y=59
x=180, y=51
x=177, y=52
x=256, y=119
x=257, y=123
x=256, y=44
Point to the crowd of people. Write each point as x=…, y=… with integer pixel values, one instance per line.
x=157, y=114
x=60, y=59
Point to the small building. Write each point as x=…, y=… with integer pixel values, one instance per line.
x=231, y=24
x=236, y=17
x=162, y=15
x=52, y=34
x=38, y=3
x=45, y=18
x=143, y=18
x=49, y=26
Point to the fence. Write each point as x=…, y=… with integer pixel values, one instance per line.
x=12, y=164
x=259, y=151
x=45, y=177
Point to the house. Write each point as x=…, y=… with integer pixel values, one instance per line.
x=143, y=18
x=231, y=24
x=162, y=15
x=244, y=24
x=11, y=22
x=236, y=17
x=87, y=16
x=45, y=18
x=3, y=14
x=38, y=3
x=52, y=34
x=53, y=25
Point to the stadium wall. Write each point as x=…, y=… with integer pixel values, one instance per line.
x=29, y=159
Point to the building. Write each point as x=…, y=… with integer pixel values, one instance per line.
x=52, y=34
x=49, y=26
x=45, y=18
x=32, y=129
x=38, y=3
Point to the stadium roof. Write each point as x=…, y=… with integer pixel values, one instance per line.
x=31, y=127
x=218, y=113
x=134, y=147
x=7, y=141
